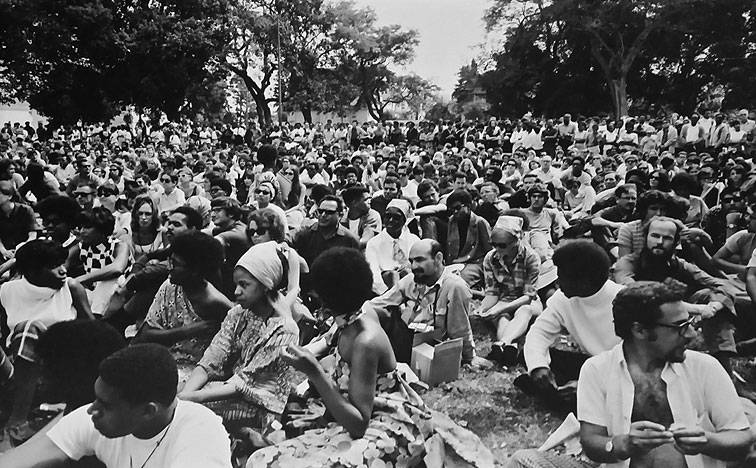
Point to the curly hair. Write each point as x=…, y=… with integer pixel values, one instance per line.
x=142, y=373
x=201, y=252
x=39, y=254
x=342, y=278
x=639, y=302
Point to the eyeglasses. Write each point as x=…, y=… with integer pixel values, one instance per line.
x=289, y=173
x=83, y=194
x=500, y=245
x=322, y=212
x=167, y=181
x=262, y=192
x=260, y=231
x=681, y=327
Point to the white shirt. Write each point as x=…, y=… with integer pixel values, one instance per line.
x=588, y=320
x=171, y=201
x=195, y=438
x=699, y=391
x=379, y=253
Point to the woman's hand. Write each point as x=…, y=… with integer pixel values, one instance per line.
x=301, y=360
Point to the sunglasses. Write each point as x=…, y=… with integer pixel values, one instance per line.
x=165, y=180
x=326, y=212
x=260, y=231
x=262, y=192
x=681, y=327
x=84, y=194
x=289, y=173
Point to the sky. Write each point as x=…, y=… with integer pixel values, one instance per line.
x=449, y=31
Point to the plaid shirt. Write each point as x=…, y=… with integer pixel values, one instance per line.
x=509, y=282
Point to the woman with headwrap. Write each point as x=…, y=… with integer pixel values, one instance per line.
x=367, y=414
x=241, y=376
x=265, y=196
x=511, y=272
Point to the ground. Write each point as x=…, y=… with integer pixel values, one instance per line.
x=487, y=403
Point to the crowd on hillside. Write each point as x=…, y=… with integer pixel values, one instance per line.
x=221, y=295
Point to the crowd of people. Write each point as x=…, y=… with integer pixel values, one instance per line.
x=216, y=296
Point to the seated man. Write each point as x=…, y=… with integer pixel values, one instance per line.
x=582, y=306
x=29, y=305
x=511, y=272
x=188, y=309
x=232, y=234
x=361, y=220
x=388, y=252
x=650, y=402
x=431, y=296
x=685, y=411
x=657, y=262
x=468, y=239
x=135, y=420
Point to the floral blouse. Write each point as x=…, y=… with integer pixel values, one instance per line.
x=246, y=353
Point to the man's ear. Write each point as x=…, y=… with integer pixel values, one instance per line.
x=639, y=331
x=149, y=410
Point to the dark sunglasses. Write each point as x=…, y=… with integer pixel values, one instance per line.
x=262, y=192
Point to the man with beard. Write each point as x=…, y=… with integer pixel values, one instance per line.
x=136, y=420
x=650, y=402
x=188, y=309
x=431, y=296
x=388, y=252
x=657, y=262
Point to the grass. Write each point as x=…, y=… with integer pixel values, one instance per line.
x=486, y=402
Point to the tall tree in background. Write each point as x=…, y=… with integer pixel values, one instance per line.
x=637, y=46
x=84, y=59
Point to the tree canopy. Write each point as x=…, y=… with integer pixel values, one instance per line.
x=605, y=55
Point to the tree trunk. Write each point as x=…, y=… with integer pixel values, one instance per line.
x=618, y=89
x=306, y=113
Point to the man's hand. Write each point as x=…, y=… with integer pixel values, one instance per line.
x=643, y=437
x=690, y=441
x=543, y=378
x=478, y=363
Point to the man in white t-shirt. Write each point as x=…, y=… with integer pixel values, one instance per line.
x=135, y=420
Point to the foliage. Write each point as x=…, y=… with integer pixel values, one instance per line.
x=593, y=55
x=84, y=59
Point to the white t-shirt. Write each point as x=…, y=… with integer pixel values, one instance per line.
x=195, y=438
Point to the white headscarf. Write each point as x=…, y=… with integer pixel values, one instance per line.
x=264, y=264
x=510, y=224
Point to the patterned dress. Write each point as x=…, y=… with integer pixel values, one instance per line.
x=246, y=353
x=94, y=257
x=172, y=309
x=402, y=432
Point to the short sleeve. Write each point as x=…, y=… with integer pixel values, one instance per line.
x=488, y=275
x=725, y=409
x=732, y=244
x=157, y=316
x=75, y=434
x=752, y=261
x=591, y=395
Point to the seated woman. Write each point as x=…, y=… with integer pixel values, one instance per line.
x=242, y=375
x=42, y=297
x=265, y=226
x=103, y=258
x=376, y=418
x=511, y=272
x=188, y=309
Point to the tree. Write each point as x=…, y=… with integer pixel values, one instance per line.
x=630, y=40
x=414, y=92
x=84, y=59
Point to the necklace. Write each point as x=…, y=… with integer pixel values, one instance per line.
x=131, y=462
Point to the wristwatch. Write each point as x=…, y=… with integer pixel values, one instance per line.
x=609, y=446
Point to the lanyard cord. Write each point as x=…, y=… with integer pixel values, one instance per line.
x=131, y=463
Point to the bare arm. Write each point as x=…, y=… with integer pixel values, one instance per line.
x=39, y=452
x=352, y=413
x=80, y=301
x=720, y=260
x=114, y=270
x=149, y=334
